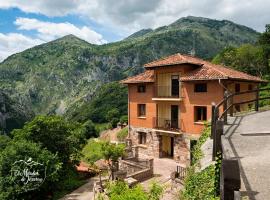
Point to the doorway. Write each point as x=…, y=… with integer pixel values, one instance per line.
x=175, y=85
x=174, y=116
x=167, y=146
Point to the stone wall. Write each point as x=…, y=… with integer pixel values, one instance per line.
x=182, y=149
x=153, y=146
x=139, y=169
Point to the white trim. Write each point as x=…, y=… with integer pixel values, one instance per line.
x=164, y=131
x=166, y=99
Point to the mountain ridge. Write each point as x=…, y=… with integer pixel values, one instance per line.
x=64, y=73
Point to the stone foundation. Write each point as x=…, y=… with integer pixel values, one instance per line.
x=153, y=145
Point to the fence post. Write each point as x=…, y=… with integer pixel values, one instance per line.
x=229, y=179
x=257, y=100
x=225, y=106
x=215, y=138
x=231, y=104
x=213, y=117
x=219, y=132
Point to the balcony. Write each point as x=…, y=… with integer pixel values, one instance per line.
x=169, y=93
x=166, y=124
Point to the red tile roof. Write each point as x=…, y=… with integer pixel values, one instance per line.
x=205, y=71
x=174, y=60
x=145, y=77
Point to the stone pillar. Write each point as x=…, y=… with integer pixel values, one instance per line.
x=181, y=149
x=156, y=145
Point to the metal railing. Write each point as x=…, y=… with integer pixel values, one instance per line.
x=166, y=124
x=219, y=119
x=167, y=91
x=229, y=167
x=181, y=172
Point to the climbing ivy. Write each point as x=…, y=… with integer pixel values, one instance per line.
x=196, y=152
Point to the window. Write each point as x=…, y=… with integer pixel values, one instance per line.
x=250, y=87
x=141, y=110
x=142, y=138
x=141, y=88
x=237, y=87
x=200, y=113
x=200, y=87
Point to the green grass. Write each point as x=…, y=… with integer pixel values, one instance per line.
x=92, y=151
x=122, y=134
x=101, y=127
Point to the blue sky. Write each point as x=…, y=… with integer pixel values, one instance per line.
x=26, y=23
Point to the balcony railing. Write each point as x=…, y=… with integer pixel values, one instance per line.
x=166, y=124
x=167, y=91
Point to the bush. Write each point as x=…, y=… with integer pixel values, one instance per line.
x=11, y=186
x=122, y=134
x=196, y=151
x=114, y=122
x=4, y=141
x=111, y=114
x=56, y=135
x=90, y=130
x=124, y=119
x=200, y=186
x=119, y=190
x=156, y=191
x=92, y=151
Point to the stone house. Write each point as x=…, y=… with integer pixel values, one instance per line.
x=169, y=102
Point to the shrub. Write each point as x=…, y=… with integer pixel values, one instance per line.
x=156, y=191
x=11, y=187
x=92, y=151
x=196, y=151
x=124, y=119
x=114, y=122
x=113, y=113
x=119, y=190
x=56, y=135
x=200, y=185
x=90, y=130
x=122, y=134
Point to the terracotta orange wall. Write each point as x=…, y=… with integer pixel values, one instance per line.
x=191, y=99
x=243, y=87
x=136, y=98
x=215, y=93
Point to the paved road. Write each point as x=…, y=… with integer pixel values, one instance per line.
x=249, y=139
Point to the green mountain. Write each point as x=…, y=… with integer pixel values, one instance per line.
x=12, y=114
x=66, y=73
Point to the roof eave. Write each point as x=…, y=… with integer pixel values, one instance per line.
x=172, y=64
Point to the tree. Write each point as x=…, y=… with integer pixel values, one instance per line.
x=12, y=185
x=113, y=113
x=111, y=153
x=56, y=135
x=90, y=130
x=247, y=58
x=264, y=42
x=4, y=141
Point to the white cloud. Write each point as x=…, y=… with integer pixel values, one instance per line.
x=49, y=31
x=46, y=31
x=13, y=42
x=46, y=7
x=132, y=15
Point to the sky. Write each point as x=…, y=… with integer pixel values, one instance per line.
x=26, y=23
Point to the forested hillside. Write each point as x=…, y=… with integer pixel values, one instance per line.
x=65, y=74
